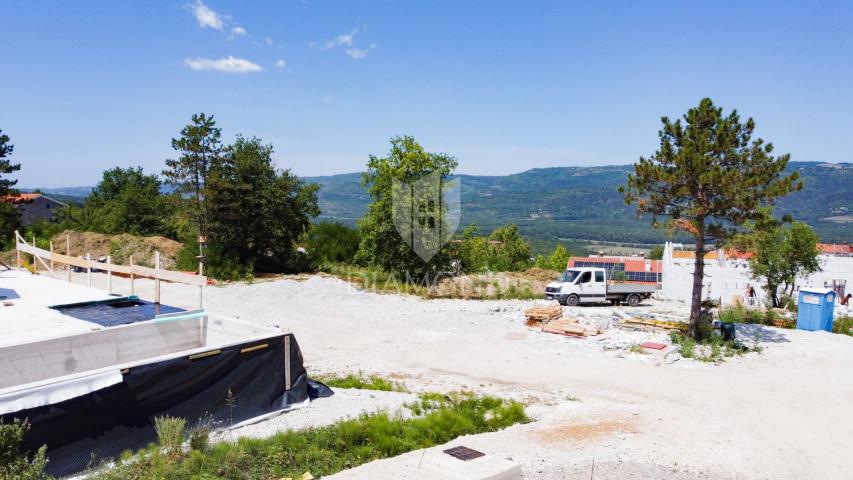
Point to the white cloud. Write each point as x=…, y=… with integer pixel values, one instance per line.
x=268, y=40
x=227, y=65
x=280, y=63
x=206, y=17
x=343, y=39
x=347, y=40
x=358, y=53
x=237, y=31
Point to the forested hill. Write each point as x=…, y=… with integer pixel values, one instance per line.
x=582, y=202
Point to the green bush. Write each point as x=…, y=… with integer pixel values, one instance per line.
x=558, y=260
x=843, y=325
x=740, y=314
x=328, y=242
x=15, y=463
x=170, y=433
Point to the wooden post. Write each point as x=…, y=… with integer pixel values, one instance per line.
x=89, y=267
x=132, y=290
x=16, y=249
x=68, y=252
x=200, y=287
x=109, y=274
x=157, y=279
x=35, y=266
x=51, y=255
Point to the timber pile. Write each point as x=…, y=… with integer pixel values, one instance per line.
x=570, y=327
x=538, y=315
x=643, y=324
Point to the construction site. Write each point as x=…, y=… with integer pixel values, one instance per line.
x=608, y=391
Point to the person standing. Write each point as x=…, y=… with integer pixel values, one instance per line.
x=750, y=295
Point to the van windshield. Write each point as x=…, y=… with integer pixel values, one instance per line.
x=570, y=275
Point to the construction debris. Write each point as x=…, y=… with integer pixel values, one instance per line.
x=542, y=314
x=643, y=324
x=571, y=327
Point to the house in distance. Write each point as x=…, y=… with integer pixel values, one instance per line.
x=35, y=207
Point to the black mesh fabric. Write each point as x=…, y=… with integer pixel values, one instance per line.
x=86, y=430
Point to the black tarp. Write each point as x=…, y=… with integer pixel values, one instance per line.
x=86, y=430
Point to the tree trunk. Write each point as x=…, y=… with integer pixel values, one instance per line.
x=698, y=277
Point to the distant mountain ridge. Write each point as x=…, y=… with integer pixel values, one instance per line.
x=582, y=202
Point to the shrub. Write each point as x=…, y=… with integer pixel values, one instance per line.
x=843, y=325
x=170, y=433
x=15, y=463
x=331, y=242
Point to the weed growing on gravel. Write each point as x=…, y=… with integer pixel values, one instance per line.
x=362, y=382
x=710, y=349
x=327, y=450
x=843, y=325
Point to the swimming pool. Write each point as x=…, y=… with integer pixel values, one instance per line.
x=116, y=311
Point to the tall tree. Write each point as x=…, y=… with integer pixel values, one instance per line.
x=257, y=213
x=708, y=177
x=200, y=148
x=9, y=218
x=381, y=245
x=126, y=201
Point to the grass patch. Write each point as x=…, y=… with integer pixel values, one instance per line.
x=327, y=450
x=362, y=382
x=843, y=325
x=740, y=314
x=711, y=349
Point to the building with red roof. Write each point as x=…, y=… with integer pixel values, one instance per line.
x=34, y=207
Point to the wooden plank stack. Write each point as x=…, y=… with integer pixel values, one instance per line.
x=644, y=324
x=542, y=314
x=570, y=327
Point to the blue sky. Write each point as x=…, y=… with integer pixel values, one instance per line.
x=503, y=86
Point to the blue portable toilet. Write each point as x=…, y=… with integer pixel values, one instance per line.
x=815, y=309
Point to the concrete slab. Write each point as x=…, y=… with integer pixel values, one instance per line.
x=434, y=464
x=29, y=317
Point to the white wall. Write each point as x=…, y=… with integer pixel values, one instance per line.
x=727, y=281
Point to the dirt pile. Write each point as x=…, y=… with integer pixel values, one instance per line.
x=120, y=247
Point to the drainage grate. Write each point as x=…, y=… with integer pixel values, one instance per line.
x=464, y=453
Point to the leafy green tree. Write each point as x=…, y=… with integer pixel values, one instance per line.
x=256, y=212
x=381, y=246
x=558, y=259
x=125, y=201
x=708, y=177
x=200, y=149
x=781, y=253
x=656, y=253
x=509, y=251
x=9, y=218
x=331, y=242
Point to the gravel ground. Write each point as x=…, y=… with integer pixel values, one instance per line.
x=779, y=414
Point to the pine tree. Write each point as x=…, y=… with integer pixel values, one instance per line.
x=708, y=178
x=9, y=218
x=200, y=149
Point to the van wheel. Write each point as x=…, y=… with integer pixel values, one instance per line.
x=633, y=300
x=573, y=301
